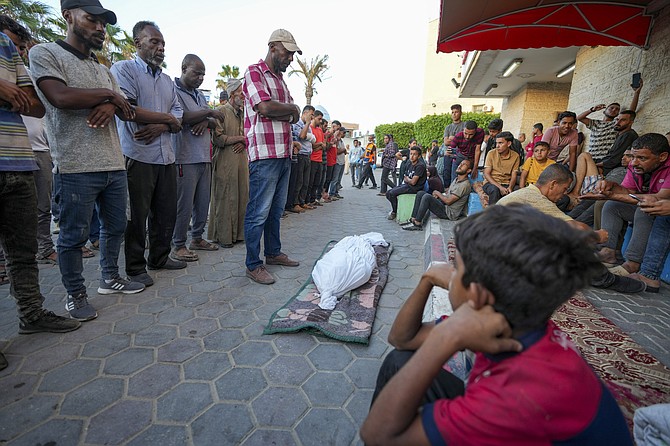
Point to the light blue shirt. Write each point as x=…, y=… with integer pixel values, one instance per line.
x=152, y=92
x=305, y=145
x=355, y=154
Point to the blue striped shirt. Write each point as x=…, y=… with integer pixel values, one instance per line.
x=15, y=151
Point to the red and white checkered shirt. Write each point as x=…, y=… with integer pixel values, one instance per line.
x=266, y=138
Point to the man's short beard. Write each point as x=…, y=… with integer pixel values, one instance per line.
x=88, y=40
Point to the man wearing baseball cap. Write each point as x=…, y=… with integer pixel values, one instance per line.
x=269, y=112
x=91, y=6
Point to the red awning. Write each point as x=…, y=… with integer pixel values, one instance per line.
x=507, y=24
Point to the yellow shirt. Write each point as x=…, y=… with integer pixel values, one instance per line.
x=535, y=168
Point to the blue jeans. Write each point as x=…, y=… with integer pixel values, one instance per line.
x=338, y=169
x=77, y=195
x=658, y=248
x=268, y=187
x=614, y=215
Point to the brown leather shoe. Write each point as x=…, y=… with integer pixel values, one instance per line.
x=282, y=259
x=307, y=207
x=296, y=209
x=260, y=275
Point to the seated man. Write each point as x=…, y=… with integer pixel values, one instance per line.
x=561, y=136
x=658, y=245
x=648, y=173
x=451, y=205
x=500, y=168
x=589, y=171
x=535, y=165
x=413, y=180
x=529, y=385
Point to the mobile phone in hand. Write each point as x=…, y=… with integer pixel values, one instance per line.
x=635, y=197
x=637, y=77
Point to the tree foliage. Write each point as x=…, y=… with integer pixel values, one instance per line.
x=312, y=73
x=118, y=46
x=227, y=72
x=428, y=128
x=39, y=18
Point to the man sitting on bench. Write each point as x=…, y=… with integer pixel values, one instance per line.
x=413, y=181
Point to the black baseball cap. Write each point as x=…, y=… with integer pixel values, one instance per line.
x=91, y=6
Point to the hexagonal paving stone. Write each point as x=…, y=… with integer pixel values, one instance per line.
x=207, y=366
x=169, y=290
x=134, y=323
x=330, y=357
x=26, y=414
x=177, y=315
x=119, y=422
x=92, y=397
x=279, y=406
x=106, y=345
x=262, y=437
x=198, y=327
x=187, y=279
x=179, y=350
x=155, y=306
x=183, y=402
x=247, y=303
x=223, y=340
x=253, y=353
x=376, y=349
x=53, y=432
x=212, y=309
x=154, y=380
x=50, y=358
x=359, y=405
x=297, y=343
x=328, y=389
x=237, y=319
x=206, y=286
x=241, y=384
x=217, y=276
x=156, y=335
x=70, y=375
x=162, y=435
x=363, y=373
x=332, y=424
x=288, y=370
x=192, y=299
x=222, y=424
x=128, y=361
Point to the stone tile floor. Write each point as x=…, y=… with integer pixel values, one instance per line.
x=185, y=361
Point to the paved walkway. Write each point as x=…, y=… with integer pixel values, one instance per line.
x=185, y=362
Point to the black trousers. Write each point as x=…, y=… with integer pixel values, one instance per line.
x=386, y=181
x=152, y=189
x=314, y=181
x=302, y=179
x=367, y=174
x=445, y=385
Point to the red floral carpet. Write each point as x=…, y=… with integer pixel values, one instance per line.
x=636, y=378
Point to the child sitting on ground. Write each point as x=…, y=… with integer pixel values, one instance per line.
x=529, y=386
x=534, y=166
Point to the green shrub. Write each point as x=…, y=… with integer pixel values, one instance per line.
x=402, y=132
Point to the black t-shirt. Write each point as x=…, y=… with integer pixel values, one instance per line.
x=419, y=170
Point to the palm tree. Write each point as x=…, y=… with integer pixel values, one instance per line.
x=227, y=72
x=312, y=73
x=38, y=17
x=116, y=47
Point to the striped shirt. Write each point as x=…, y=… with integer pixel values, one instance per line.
x=15, y=151
x=601, y=139
x=266, y=138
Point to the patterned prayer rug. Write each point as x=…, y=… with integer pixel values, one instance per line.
x=636, y=378
x=352, y=318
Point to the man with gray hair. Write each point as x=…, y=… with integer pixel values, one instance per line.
x=230, y=179
x=194, y=167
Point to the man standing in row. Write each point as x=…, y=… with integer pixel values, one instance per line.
x=450, y=131
x=369, y=159
x=466, y=145
x=230, y=185
x=269, y=112
x=194, y=167
x=81, y=98
x=18, y=199
x=302, y=133
x=150, y=155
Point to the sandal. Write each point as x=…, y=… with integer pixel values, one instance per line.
x=86, y=253
x=202, y=245
x=184, y=255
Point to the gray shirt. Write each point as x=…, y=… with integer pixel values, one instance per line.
x=462, y=190
x=155, y=93
x=452, y=129
x=341, y=158
x=189, y=148
x=76, y=147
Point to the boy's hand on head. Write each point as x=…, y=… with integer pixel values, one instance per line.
x=439, y=274
x=481, y=330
